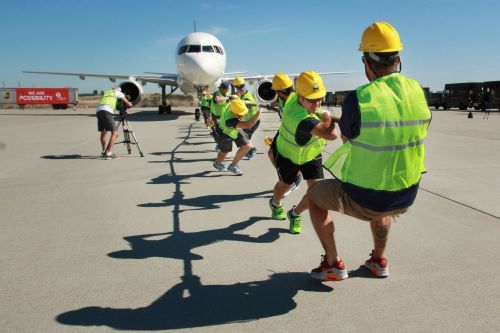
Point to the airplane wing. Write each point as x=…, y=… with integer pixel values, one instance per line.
x=253, y=78
x=164, y=78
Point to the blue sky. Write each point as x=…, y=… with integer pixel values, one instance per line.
x=444, y=41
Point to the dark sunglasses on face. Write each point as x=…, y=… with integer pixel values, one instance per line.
x=313, y=100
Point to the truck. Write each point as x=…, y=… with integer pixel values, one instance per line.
x=462, y=95
x=340, y=96
x=58, y=98
x=435, y=99
x=491, y=95
x=328, y=100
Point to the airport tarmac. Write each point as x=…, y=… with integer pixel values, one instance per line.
x=166, y=242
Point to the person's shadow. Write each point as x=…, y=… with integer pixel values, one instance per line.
x=191, y=304
x=179, y=244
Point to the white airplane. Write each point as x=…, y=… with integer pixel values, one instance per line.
x=201, y=61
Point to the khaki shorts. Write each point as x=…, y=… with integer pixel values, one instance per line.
x=328, y=194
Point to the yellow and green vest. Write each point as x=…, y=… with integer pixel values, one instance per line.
x=388, y=154
x=109, y=98
x=218, y=108
x=226, y=115
x=293, y=114
x=252, y=109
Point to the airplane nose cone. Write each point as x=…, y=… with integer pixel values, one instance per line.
x=201, y=71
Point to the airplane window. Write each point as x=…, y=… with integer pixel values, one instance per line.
x=194, y=49
x=182, y=49
x=208, y=48
x=218, y=49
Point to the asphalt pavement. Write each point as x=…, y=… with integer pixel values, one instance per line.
x=166, y=241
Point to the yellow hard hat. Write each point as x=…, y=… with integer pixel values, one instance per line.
x=281, y=81
x=310, y=85
x=380, y=37
x=239, y=81
x=238, y=107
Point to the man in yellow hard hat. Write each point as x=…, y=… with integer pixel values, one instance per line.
x=246, y=96
x=283, y=86
x=302, y=135
x=378, y=168
x=229, y=129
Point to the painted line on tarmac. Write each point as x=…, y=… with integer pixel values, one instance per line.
x=460, y=203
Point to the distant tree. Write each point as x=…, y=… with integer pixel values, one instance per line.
x=102, y=92
x=95, y=92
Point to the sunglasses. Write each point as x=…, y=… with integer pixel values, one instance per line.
x=312, y=101
x=240, y=87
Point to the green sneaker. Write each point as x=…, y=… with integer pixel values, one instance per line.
x=295, y=221
x=278, y=213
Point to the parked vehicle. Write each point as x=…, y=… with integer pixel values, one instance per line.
x=329, y=98
x=338, y=100
x=491, y=95
x=462, y=95
x=435, y=99
x=59, y=98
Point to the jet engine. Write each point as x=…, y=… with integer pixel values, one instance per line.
x=133, y=90
x=263, y=92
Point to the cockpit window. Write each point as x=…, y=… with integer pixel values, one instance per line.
x=208, y=48
x=182, y=49
x=194, y=49
x=198, y=48
x=218, y=49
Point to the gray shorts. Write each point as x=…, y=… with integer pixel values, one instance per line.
x=328, y=194
x=105, y=121
x=225, y=142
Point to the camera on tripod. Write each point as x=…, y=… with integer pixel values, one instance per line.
x=121, y=108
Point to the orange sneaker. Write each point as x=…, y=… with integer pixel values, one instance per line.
x=378, y=266
x=325, y=272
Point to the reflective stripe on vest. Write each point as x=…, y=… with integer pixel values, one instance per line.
x=109, y=98
x=218, y=108
x=293, y=114
x=388, y=154
x=231, y=131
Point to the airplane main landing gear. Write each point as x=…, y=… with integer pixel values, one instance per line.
x=164, y=109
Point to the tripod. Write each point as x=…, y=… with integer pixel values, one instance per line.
x=127, y=131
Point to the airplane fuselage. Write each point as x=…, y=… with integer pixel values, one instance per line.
x=201, y=60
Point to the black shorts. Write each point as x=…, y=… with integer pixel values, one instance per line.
x=105, y=121
x=287, y=170
x=251, y=130
x=225, y=142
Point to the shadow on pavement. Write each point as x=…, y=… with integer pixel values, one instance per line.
x=191, y=304
x=179, y=245
x=153, y=115
x=361, y=272
x=211, y=201
x=70, y=157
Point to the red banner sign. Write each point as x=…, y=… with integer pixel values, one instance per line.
x=42, y=96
